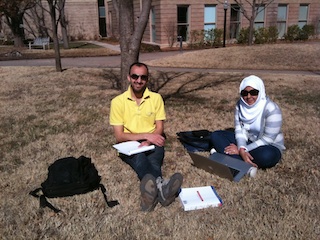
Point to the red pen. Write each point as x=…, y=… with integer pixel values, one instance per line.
x=200, y=196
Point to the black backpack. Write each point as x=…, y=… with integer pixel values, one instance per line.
x=70, y=176
x=195, y=141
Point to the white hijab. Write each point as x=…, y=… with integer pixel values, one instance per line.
x=250, y=115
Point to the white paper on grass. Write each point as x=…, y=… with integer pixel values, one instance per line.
x=199, y=198
x=132, y=147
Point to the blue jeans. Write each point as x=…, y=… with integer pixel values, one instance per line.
x=146, y=162
x=265, y=156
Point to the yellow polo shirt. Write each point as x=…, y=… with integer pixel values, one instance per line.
x=137, y=118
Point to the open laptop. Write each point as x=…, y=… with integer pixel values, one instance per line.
x=222, y=165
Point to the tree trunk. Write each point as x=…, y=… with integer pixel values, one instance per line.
x=65, y=38
x=251, y=20
x=18, y=42
x=251, y=30
x=126, y=29
x=63, y=24
x=254, y=8
x=15, y=24
x=131, y=33
x=55, y=36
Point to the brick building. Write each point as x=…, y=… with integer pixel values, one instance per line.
x=93, y=19
x=183, y=16
x=171, y=18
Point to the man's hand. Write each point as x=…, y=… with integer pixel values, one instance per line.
x=153, y=138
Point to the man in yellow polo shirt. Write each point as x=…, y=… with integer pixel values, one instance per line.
x=138, y=114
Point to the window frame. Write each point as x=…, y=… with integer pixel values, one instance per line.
x=282, y=23
x=185, y=25
x=210, y=23
x=235, y=23
x=257, y=22
x=153, y=32
x=303, y=20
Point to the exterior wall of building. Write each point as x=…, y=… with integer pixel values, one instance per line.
x=83, y=17
x=166, y=17
x=314, y=15
x=168, y=13
x=112, y=23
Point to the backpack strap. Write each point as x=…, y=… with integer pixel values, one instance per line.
x=110, y=204
x=43, y=201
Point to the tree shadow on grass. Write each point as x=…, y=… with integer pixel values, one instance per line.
x=177, y=84
x=190, y=84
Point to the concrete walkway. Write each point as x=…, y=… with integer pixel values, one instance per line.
x=114, y=62
x=103, y=61
x=106, y=45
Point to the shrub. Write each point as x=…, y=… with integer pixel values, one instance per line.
x=293, y=33
x=243, y=37
x=149, y=48
x=217, y=41
x=194, y=35
x=197, y=38
x=273, y=34
x=170, y=30
x=306, y=32
x=261, y=35
x=205, y=38
x=266, y=35
x=209, y=36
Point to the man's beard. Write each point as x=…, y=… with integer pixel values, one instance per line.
x=138, y=91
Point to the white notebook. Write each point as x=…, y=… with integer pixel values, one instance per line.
x=199, y=198
x=132, y=147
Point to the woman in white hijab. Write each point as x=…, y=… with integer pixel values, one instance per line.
x=257, y=138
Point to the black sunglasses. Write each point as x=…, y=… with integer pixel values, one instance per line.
x=253, y=92
x=136, y=77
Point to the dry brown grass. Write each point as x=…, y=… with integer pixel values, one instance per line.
x=47, y=115
x=298, y=56
x=5, y=53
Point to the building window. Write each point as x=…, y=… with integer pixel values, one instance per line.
x=183, y=22
x=102, y=18
x=209, y=21
x=259, y=20
x=303, y=15
x=282, y=20
x=153, y=25
x=234, y=21
x=209, y=17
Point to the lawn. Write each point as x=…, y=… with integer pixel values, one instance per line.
x=47, y=115
x=77, y=49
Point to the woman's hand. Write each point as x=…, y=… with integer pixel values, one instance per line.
x=232, y=149
x=246, y=156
